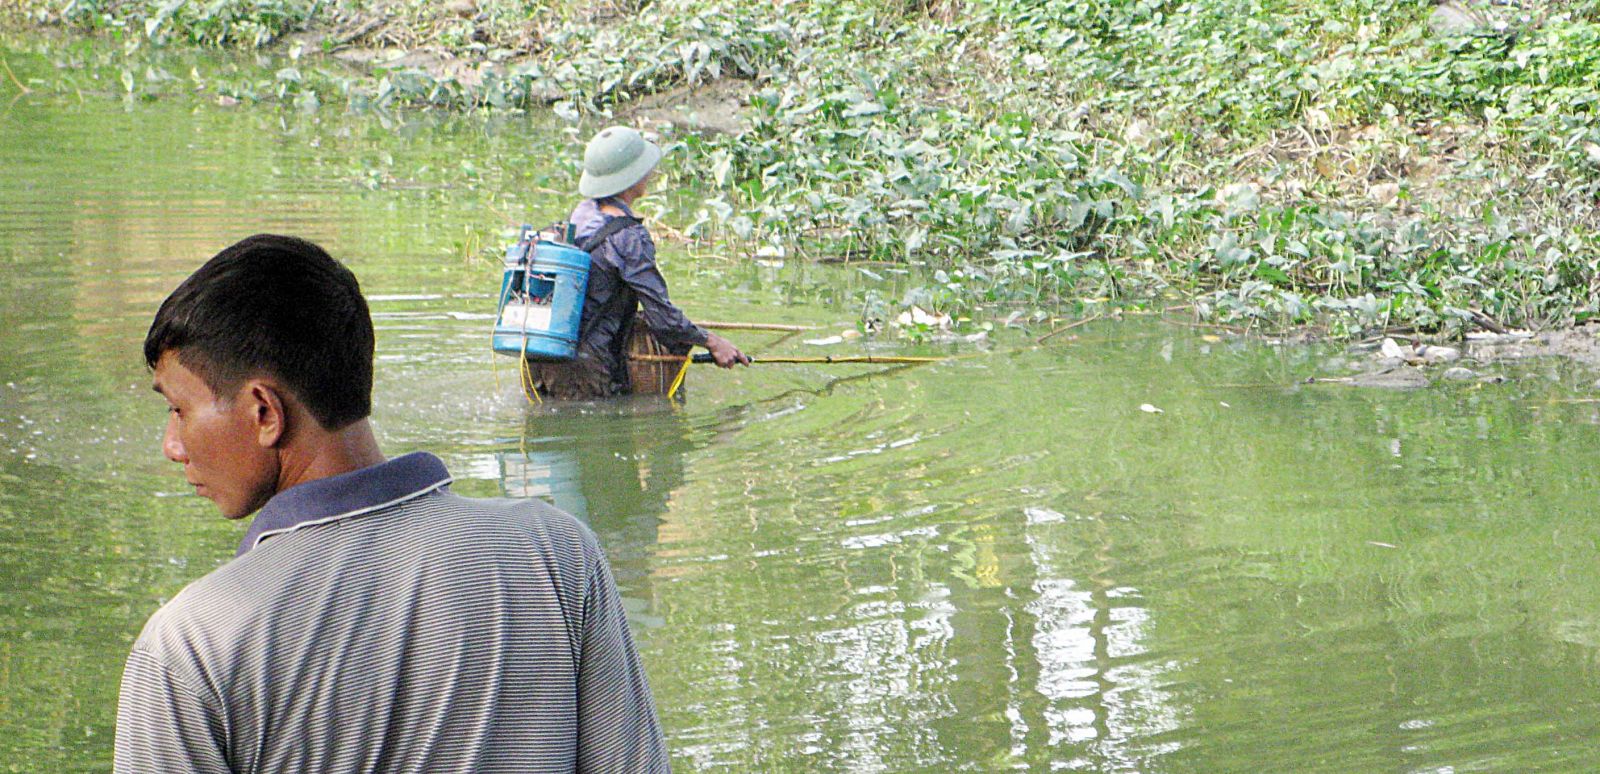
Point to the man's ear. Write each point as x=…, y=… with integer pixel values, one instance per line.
x=269, y=414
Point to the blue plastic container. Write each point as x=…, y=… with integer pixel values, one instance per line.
x=541, y=300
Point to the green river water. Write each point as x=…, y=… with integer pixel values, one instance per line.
x=994, y=563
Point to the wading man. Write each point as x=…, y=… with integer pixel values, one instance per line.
x=618, y=165
x=372, y=621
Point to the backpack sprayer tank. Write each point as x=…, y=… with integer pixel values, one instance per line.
x=541, y=298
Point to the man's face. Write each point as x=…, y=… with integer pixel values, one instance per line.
x=216, y=439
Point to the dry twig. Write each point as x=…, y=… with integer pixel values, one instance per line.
x=1064, y=329
x=7, y=65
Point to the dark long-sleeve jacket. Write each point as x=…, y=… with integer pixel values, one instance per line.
x=623, y=277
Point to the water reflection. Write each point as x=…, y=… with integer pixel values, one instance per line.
x=1102, y=689
x=616, y=471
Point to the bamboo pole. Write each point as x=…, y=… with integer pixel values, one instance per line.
x=744, y=326
x=825, y=359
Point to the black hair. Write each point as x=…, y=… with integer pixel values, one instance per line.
x=279, y=306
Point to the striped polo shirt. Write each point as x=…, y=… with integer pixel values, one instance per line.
x=374, y=622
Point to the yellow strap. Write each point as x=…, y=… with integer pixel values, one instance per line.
x=677, y=381
x=529, y=390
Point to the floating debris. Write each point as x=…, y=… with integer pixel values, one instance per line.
x=839, y=338
x=916, y=316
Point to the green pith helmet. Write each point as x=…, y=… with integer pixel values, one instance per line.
x=615, y=159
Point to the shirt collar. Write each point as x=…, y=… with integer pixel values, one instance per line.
x=348, y=494
x=615, y=202
x=587, y=217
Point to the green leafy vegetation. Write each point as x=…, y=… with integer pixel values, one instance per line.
x=1343, y=166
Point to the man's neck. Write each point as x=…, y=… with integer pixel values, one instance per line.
x=326, y=453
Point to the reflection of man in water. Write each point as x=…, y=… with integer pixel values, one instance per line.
x=615, y=473
x=617, y=168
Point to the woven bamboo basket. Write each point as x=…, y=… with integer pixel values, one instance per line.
x=649, y=376
x=572, y=381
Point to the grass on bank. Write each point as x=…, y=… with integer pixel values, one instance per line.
x=1346, y=166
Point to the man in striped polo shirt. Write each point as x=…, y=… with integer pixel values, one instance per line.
x=372, y=621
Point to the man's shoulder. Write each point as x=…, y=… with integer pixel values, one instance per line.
x=206, y=611
x=591, y=215
x=235, y=600
x=516, y=529
x=532, y=516
x=630, y=238
x=633, y=241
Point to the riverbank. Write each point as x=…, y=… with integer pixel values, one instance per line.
x=1333, y=168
